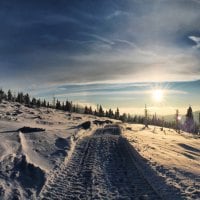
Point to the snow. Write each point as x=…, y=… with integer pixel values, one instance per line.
x=173, y=156
x=29, y=161
x=100, y=168
x=44, y=151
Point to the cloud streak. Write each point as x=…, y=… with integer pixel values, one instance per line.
x=196, y=40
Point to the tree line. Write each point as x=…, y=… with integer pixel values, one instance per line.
x=69, y=106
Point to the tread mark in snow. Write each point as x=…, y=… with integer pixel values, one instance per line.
x=100, y=168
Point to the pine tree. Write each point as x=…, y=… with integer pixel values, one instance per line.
x=95, y=112
x=106, y=114
x=135, y=119
x=44, y=104
x=33, y=102
x=58, y=105
x=123, y=117
x=68, y=106
x=9, y=95
x=27, y=99
x=199, y=118
x=90, y=110
x=189, y=124
x=38, y=103
x=129, y=119
x=86, y=111
x=110, y=113
x=101, y=112
x=189, y=113
x=145, y=117
x=1, y=95
x=117, y=114
x=20, y=97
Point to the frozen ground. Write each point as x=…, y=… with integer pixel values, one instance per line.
x=63, y=161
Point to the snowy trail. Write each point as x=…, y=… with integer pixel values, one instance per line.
x=100, y=168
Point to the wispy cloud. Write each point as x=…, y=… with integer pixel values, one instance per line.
x=98, y=37
x=116, y=14
x=196, y=40
x=131, y=44
x=102, y=92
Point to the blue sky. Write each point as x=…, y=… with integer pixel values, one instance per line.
x=110, y=51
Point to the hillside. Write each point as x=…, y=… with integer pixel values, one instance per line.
x=175, y=157
x=40, y=147
x=27, y=158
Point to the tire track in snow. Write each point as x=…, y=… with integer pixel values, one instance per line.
x=100, y=168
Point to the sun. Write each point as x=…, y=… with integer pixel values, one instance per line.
x=158, y=95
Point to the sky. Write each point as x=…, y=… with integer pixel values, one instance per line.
x=108, y=52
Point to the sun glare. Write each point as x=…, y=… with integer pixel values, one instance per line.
x=158, y=95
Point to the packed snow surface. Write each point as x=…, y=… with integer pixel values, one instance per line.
x=173, y=156
x=100, y=168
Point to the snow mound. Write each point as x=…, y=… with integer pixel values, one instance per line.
x=24, y=179
x=29, y=175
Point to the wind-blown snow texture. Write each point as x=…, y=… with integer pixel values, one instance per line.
x=66, y=161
